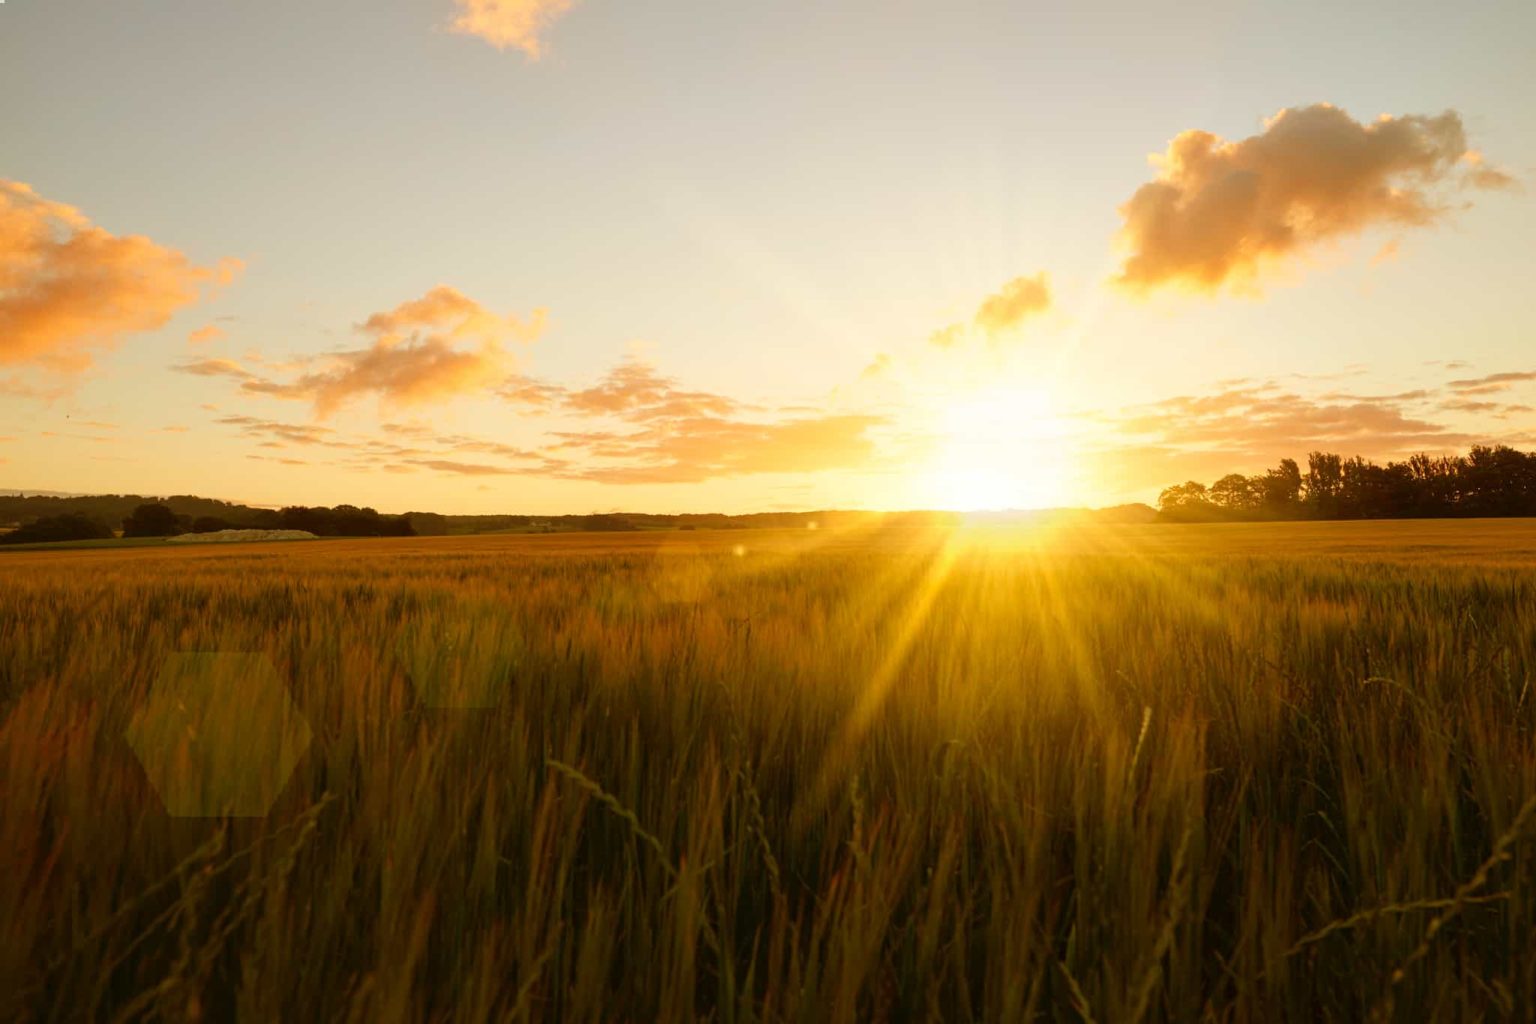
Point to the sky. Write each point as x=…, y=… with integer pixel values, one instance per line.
x=550, y=256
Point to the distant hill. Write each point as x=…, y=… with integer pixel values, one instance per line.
x=11, y=492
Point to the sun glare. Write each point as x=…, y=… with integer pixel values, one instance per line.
x=999, y=449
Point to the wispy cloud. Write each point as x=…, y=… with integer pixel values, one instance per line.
x=1492, y=383
x=215, y=368
x=635, y=390
x=431, y=349
x=1252, y=426
x=695, y=449
x=644, y=428
x=1266, y=418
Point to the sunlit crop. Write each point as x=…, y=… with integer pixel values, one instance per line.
x=1244, y=772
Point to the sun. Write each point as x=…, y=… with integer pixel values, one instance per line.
x=1003, y=448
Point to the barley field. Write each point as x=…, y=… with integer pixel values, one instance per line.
x=1230, y=772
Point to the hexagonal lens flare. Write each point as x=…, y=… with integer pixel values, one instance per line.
x=219, y=736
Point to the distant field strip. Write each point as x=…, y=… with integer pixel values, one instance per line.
x=1278, y=771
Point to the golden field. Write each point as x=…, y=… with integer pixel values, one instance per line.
x=1234, y=772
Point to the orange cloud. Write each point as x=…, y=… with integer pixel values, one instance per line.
x=1481, y=175
x=1003, y=311
x=68, y=286
x=685, y=436
x=1250, y=427
x=1017, y=301
x=15, y=387
x=532, y=393
x=216, y=368
x=1220, y=213
x=1263, y=422
x=510, y=24
x=463, y=468
x=437, y=347
x=204, y=335
x=652, y=430
x=1492, y=383
x=700, y=448
x=635, y=390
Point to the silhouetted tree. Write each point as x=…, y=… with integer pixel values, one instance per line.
x=58, y=528
x=1235, y=493
x=344, y=521
x=210, y=524
x=1280, y=490
x=1188, y=500
x=1488, y=481
x=427, y=523
x=1325, y=478
x=606, y=523
x=151, y=521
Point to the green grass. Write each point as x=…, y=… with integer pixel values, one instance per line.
x=1246, y=772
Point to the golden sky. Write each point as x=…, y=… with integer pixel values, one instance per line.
x=574, y=255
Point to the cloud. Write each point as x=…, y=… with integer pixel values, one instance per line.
x=664, y=433
x=1492, y=383
x=645, y=428
x=1002, y=312
x=636, y=391
x=68, y=286
x=1481, y=175
x=686, y=436
x=463, y=468
x=510, y=24
x=205, y=334
x=694, y=449
x=278, y=433
x=280, y=460
x=1219, y=214
x=1250, y=428
x=431, y=349
x=1254, y=426
x=879, y=366
x=14, y=387
x=215, y=368
x=460, y=443
x=530, y=392
x=1015, y=302
x=947, y=337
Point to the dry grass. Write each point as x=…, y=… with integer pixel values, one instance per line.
x=1249, y=772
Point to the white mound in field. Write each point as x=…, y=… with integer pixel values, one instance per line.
x=233, y=536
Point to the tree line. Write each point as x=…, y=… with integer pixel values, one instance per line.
x=1493, y=481
x=156, y=519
